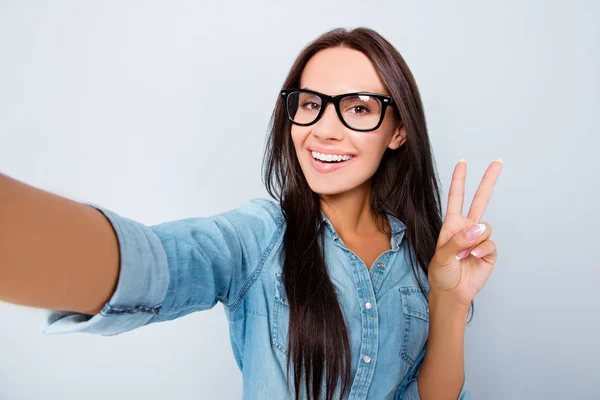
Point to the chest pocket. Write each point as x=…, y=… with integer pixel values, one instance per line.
x=281, y=315
x=416, y=322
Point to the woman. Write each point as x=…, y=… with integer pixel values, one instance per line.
x=350, y=286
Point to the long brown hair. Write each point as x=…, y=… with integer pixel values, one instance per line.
x=405, y=185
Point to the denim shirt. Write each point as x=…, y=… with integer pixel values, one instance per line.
x=178, y=267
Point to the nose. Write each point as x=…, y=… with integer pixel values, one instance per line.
x=329, y=125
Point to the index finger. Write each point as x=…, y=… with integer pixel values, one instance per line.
x=484, y=191
x=456, y=195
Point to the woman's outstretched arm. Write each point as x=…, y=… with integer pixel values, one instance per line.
x=55, y=253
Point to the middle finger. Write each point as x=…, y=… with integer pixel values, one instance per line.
x=484, y=191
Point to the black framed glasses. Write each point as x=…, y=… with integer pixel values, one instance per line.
x=359, y=111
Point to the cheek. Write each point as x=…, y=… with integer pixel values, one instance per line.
x=298, y=137
x=295, y=137
x=368, y=144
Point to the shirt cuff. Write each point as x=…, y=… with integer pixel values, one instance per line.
x=141, y=287
x=412, y=391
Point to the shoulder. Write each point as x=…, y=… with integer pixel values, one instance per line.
x=266, y=208
x=259, y=215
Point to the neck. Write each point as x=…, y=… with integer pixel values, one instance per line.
x=350, y=212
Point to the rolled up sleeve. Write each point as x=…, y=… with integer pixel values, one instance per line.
x=412, y=392
x=141, y=286
x=409, y=390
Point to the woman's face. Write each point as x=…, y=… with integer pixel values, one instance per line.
x=335, y=71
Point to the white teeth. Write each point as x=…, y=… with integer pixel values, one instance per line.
x=330, y=157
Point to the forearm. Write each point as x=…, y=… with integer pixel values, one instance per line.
x=55, y=253
x=441, y=375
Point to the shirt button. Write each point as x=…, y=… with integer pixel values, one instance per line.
x=366, y=359
x=368, y=305
x=380, y=264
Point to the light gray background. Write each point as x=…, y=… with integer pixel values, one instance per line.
x=159, y=110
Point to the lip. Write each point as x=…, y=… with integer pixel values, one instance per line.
x=325, y=168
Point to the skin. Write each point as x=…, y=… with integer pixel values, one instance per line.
x=55, y=253
x=345, y=193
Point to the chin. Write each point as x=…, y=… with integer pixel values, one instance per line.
x=328, y=190
x=327, y=184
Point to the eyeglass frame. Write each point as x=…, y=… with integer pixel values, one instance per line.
x=326, y=99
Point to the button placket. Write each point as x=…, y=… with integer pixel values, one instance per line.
x=366, y=282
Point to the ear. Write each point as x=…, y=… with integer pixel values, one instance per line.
x=399, y=137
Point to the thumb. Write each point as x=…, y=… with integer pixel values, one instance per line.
x=460, y=244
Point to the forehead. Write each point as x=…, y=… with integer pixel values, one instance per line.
x=341, y=70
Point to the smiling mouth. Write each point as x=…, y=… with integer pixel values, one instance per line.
x=351, y=156
x=331, y=162
x=329, y=166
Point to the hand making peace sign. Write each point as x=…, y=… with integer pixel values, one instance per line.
x=454, y=268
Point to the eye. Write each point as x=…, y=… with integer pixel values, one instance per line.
x=310, y=105
x=360, y=109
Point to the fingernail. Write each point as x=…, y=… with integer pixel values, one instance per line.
x=462, y=254
x=476, y=252
x=500, y=160
x=475, y=231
